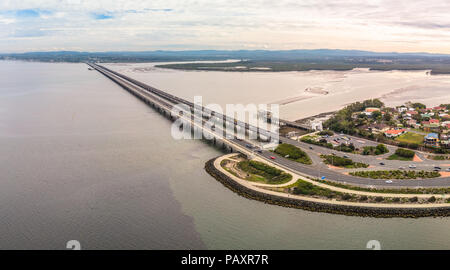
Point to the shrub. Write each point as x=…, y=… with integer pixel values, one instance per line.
x=326, y=132
x=379, y=199
x=413, y=199
x=363, y=198
x=342, y=162
x=375, y=150
x=432, y=199
x=346, y=197
x=395, y=174
x=404, y=153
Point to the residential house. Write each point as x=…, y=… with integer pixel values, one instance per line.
x=393, y=133
x=431, y=139
x=369, y=111
x=439, y=108
x=411, y=113
x=413, y=123
x=376, y=128
x=445, y=141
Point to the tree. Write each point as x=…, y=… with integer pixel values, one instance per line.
x=418, y=105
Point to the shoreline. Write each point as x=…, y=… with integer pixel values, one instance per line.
x=315, y=206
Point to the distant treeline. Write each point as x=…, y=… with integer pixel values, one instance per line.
x=257, y=60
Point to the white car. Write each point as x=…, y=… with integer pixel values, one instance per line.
x=412, y=166
x=388, y=181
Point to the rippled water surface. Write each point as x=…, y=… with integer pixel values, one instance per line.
x=82, y=159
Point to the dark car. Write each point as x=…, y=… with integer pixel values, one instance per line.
x=381, y=163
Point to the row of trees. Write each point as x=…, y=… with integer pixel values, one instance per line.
x=395, y=174
x=405, y=153
x=342, y=162
x=342, y=121
x=375, y=150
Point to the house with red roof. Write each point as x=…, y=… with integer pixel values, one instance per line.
x=434, y=121
x=392, y=133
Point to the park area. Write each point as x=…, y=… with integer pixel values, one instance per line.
x=410, y=138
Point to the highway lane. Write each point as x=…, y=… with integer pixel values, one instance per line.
x=374, y=161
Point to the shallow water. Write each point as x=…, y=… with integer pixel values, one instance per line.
x=343, y=87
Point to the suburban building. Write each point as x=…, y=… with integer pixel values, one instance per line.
x=431, y=139
x=402, y=109
x=392, y=133
x=376, y=128
x=369, y=111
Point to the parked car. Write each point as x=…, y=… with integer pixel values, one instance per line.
x=412, y=166
x=437, y=168
x=345, y=156
x=401, y=168
x=388, y=181
x=311, y=148
x=382, y=163
x=259, y=151
x=272, y=157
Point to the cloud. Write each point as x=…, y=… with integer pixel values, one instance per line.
x=379, y=25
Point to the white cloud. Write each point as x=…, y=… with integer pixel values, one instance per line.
x=378, y=25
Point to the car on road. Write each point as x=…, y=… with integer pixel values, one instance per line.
x=345, y=156
x=388, y=181
x=272, y=157
x=311, y=148
x=448, y=169
x=259, y=151
x=412, y=166
x=401, y=168
x=437, y=168
x=248, y=145
x=381, y=163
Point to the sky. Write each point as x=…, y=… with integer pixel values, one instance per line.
x=138, y=25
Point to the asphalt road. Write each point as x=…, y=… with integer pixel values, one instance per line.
x=320, y=170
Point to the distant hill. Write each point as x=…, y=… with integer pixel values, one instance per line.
x=254, y=60
x=123, y=56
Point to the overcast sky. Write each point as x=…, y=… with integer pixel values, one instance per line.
x=136, y=25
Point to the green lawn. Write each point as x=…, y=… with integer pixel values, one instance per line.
x=261, y=172
x=410, y=137
x=397, y=157
x=293, y=153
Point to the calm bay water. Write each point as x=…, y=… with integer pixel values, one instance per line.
x=82, y=159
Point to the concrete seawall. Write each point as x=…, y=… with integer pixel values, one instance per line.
x=381, y=212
